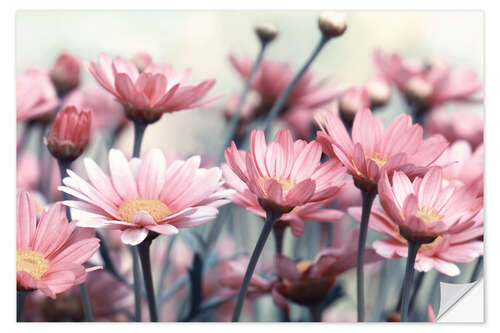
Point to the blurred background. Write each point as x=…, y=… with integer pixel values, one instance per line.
x=202, y=40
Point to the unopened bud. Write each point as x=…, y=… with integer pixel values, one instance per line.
x=69, y=135
x=379, y=92
x=332, y=24
x=418, y=90
x=266, y=32
x=65, y=75
x=142, y=60
x=353, y=100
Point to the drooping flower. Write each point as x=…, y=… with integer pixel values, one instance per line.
x=147, y=95
x=107, y=113
x=50, y=254
x=442, y=254
x=146, y=195
x=426, y=208
x=69, y=134
x=65, y=74
x=35, y=95
x=456, y=126
x=307, y=282
x=283, y=174
x=432, y=85
x=373, y=150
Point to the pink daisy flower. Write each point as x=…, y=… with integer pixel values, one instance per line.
x=146, y=195
x=427, y=208
x=441, y=254
x=149, y=94
x=456, y=126
x=373, y=150
x=35, y=95
x=50, y=254
x=283, y=174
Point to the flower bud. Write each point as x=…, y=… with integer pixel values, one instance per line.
x=65, y=75
x=142, y=60
x=266, y=32
x=379, y=92
x=69, y=135
x=332, y=24
x=418, y=90
x=353, y=100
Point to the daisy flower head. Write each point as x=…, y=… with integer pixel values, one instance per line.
x=146, y=95
x=146, y=195
x=283, y=174
x=50, y=253
x=372, y=149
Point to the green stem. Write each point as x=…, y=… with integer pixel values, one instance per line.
x=368, y=198
x=477, y=269
x=148, y=277
x=136, y=269
x=139, y=129
x=233, y=125
x=266, y=230
x=316, y=313
x=408, y=280
x=275, y=110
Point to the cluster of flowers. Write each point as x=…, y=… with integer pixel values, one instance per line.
x=427, y=177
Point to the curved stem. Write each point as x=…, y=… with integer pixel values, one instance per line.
x=139, y=129
x=266, y=230
x=148, y=277
x=286, y=93
x=408, y=280
x=233, y=125
x=21, y=297
x=368, y=198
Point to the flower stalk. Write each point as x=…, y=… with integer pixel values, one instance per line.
x=144, y=254
x=271, y=217
x=368, y=198
x=21, y=297
x=413, y=247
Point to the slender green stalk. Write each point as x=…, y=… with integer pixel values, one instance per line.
x=136, y=270
x=275, y=110
x=316, y=313
x=148, y=277
x=139, y=129
x=266, y=230
x=408, y=280
x=233, y=125
x=368, y=198
x=418, y=283
x=21, y=297
x=87, y=309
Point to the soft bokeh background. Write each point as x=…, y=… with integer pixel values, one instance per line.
x=202, y=40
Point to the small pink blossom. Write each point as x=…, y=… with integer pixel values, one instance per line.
x=66, y=73
x=51, y=253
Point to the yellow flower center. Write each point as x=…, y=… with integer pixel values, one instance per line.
x=429, y=214
x=32, y=262
x=286, y=184
x=157, y=209
x=377, y=158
